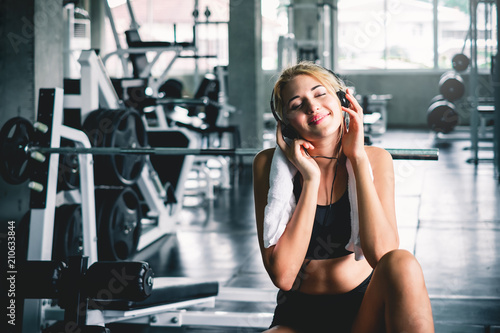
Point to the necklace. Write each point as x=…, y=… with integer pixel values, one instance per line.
x=320, y=156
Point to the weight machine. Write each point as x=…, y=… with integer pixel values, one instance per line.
x=312, y=42
x=478, y=112
x=165, y=112
x=76, y=303
x=96, y=90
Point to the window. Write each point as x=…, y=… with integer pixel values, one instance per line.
x=385, y=34
x=274, y=24
x=399, y=34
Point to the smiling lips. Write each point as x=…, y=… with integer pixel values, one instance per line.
x=317, y=119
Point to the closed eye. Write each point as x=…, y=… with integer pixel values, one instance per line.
x=296, y=106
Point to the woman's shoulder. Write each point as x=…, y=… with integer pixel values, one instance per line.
x=262, y=165
x=377, y=155
x=264, y=157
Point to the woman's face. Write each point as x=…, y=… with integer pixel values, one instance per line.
x=310, y=109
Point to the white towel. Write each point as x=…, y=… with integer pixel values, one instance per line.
x=281, y=202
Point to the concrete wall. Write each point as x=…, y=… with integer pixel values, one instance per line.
x=30, y=58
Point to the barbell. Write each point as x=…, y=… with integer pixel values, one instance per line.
x=17, y=151
x=396, y=153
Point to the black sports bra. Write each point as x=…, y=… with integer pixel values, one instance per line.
x=330, y=234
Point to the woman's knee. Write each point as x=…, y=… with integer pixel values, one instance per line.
x=398, y=264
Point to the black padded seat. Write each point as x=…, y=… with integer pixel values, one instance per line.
x=167, y=290
x=134, y=40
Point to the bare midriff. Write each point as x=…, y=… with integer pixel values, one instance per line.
x=333, y=276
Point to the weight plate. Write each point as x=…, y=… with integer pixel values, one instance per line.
x=130, y=132
x=460, y=62
x=68, y=232
x=119, y=223
x=451, y=86
x=442, y=117
x=69, y=167
x=15, y=161
x=117, y=129
x=93, y=129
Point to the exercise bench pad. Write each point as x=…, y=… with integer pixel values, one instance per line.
x=167, y=290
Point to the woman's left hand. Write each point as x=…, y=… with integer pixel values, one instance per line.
x=354, y=139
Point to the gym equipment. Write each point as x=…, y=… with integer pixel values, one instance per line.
x=460, y=62
x=69, y=178
x=18, y=149
x=78, y=289
x=123, y=292
x=15, y=165
x=118, y=216
x=480, y=46
x=53, y=279
x=68, y=232
x=116, y=128
x=441, y=115
x=451, y=86
x=307, y=42
x=136, y=50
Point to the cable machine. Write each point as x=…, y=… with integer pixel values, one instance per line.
x=496, y=87
x=304, y=41
x=478, y=111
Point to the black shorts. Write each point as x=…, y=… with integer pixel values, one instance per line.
x=319, y=313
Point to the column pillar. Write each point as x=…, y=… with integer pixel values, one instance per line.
x=245, y=89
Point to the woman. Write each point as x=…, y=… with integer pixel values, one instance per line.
x=323, y=288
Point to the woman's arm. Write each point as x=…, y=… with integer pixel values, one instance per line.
x=283, y=260
x=377, y=217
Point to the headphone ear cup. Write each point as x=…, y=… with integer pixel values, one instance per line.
x=343, y=100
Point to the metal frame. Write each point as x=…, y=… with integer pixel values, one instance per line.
x=496, y=82
x=476, y=123
x=154, y=197
x=42, y=219
x=96, y=87
x=474, y=117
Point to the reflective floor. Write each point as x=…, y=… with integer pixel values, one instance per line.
x=448, y=216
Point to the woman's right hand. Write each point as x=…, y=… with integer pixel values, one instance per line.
x=297, y=155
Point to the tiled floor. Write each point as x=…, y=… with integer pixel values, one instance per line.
x=448, y=216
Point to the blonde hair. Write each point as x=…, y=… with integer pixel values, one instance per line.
x=327, y=78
